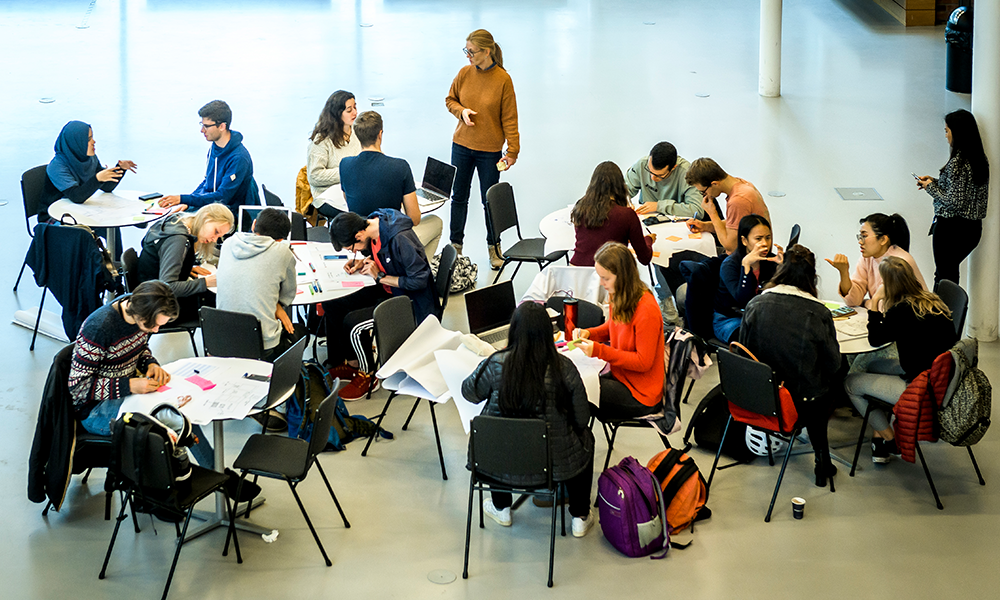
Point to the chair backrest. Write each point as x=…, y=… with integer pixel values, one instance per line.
x=325, y=415
x=285, y=374
x=957, y=300
x=394, y=322
x=514, y=447
x=446, y=268
x=148, y=467
x=794, y=237
x=588, y=314
x=749, y=384
x=32, y=186
x=703, y=283
x=228, y=333
x=130, y=264
x=298, y=232
x=270, y=198
x=503, y=212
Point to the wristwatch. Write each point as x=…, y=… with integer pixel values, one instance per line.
x=378, y=278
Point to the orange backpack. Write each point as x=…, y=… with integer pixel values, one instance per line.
x=683, y=487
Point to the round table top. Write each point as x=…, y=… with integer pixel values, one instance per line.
x=320, y=274
x=852, y=332
x=121, y=208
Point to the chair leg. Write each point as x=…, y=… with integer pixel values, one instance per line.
x=230, y=511
x=437, y=440
x=781, y=475
x=236, y=511
x=718, y=453
x=86, y=475
x=500, y=272
x=322, y=473
x=552, y=534
x=861, y=438
x=378, y=423
x=770, y=455
x=309, y=523
x=561, y=488
x=114, y=536
x=38, y=319
x=45, y=511
x=930, y=481
x=177, y=553
x=976, y=465
x=193, y=345
x=410, y=416
x=468, y=525
x=20, y=273
x=107, y=506
x=518, y=268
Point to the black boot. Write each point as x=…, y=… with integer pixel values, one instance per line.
x=824, y=470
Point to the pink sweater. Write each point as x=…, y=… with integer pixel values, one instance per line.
x=866, y=279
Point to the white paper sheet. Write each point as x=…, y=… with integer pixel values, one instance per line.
x=413, y=370
x=455, y=366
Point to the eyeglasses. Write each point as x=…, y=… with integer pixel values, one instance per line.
x=657, y=175
x=208, y=125
x=471, y=53
x=864, y=236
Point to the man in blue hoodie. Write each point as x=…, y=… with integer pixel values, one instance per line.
x=229, y=173
x=394, y=257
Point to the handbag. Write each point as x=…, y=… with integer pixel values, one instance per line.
x=784, y=422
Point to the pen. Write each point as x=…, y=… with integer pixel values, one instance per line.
x=318, y=286
x=312, y=267
x=197, y=372
x=311, y=290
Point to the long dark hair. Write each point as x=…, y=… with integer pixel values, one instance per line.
x=893, y=226
x=798, y=269
x=967, y=145
x=330, y=124
x=747, y=224
x=530, y=353
x=606, y=189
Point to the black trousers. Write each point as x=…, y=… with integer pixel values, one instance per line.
x=954, y=239
x=577, y=492
x=617, y=402
x=343, y=314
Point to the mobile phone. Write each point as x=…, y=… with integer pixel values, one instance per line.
x=914, y=175
x=260, y=378
x=153, y=196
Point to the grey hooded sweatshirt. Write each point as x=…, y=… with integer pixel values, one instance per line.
x=255, y=274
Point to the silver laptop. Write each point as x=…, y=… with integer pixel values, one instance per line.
x=437, y=182
x=249, y=212
x=489, y=310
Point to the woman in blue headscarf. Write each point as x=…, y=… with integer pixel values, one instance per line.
x=75, y=172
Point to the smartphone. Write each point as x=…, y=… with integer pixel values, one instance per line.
x=260, y=378
x=153, y=196
x=914, y=175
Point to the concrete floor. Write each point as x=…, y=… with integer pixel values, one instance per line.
x=862, y=105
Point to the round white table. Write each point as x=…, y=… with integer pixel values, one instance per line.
x=852, y=332
x=320, y=274
x=111, y=210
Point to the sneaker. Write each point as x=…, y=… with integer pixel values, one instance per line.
x=457, y=247
x=359, y=387
x=496, y=257
x=880, y=450
x=669, y=311
x=500, y=516
x=892, y=447
x=582, y=526
x=343, y=371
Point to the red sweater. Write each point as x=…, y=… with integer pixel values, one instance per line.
x=636, y=350
x=622, y=226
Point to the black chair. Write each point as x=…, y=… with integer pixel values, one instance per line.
x=143, y=470
x=290, y=459
x=794, y=237
x=752, y=386
x=32, y=185
x=503, y=216
x=957, y=300
x=394, y=323
x=446, y=268
x=699, y=304
x=518, y=448
x=298, y=230
x=270, y=198
x=588, y=314
x=130, y=266
x=231, y=334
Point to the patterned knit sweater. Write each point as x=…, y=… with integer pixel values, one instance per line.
x=106, y=354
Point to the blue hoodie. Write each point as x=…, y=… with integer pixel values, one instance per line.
x=402, y=255
x=228, y=177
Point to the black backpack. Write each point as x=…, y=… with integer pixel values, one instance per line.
x=177, y=437
x=708, y=423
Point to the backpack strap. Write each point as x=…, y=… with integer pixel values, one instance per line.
x=688, y=468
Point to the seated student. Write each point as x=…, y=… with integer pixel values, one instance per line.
x=331, y=141
x=530, y=379
x=394, y=258
x=742, y=275
x=634, y=333
x=902, y=311
x=742, y=199
x=880, y=236
x=372, y=180
x=229, y=174
x=170, y=249
x=604, y=215
x=257, y=276
x=660, y=181
x=791, y=330
x=111, y=360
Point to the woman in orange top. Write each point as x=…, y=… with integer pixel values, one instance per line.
x=635, y=334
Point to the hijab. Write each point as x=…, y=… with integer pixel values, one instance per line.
x=71, y=165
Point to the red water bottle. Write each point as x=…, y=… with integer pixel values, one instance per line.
x=570, y=306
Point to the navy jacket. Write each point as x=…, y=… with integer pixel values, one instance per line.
x=737, y=288
x=228, y=177
x=402, y=255
x=50, y=463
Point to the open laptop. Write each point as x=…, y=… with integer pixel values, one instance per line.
x=284, y=376
x=489, y=310
x=437, y=182
x=249, y=212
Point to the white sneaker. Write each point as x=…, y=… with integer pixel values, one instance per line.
x=582, y=526
x=503, y=516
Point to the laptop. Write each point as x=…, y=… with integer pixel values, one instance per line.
x=249, y=212
x=489, y=310
x=437, y=182
x=284, y=375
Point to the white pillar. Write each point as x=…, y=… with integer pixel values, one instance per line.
x=769, y=84
x=984, y=275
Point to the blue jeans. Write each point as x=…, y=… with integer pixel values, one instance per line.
x=101, y=416
x=467, y=161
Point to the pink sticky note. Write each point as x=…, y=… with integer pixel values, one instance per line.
x=353, y=284
x=201, y=382
x=299, y=292
x=163, y=388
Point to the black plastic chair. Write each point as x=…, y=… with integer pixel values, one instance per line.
x=231, y=334
x=957, y=300
x=752, y=386
x=32, y=185
x=130, y=266
x=794, y=237
x=503, y=216
x=588, y=314
x=298, y=230
x=702, y=284
x=446, y=268
x=270, y=198
x=518, y=448
x=143, y=471
x=394, y=323
x=290, y=459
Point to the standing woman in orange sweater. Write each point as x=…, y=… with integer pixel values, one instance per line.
x=635, y=334
x=482, y=99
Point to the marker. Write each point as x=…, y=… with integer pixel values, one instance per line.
x=311, y=291
x=312, y=267
x=318, y=286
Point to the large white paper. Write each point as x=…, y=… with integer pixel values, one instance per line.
x=456, y=366
x=412, y=369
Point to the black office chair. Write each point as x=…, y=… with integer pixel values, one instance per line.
x=503, y=216
x=298, y=231
x=794, y=237
x=394, y=323
x=520, y=449
x=233, y=334
x=271, y=199
x=588, y=314
x=280, y=457
x=446, y=268
x=142, y=469
x=957, y=300
x=130, y=266
x=32, y=185
x=702, y=279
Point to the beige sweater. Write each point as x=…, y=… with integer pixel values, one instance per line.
x=323, y=162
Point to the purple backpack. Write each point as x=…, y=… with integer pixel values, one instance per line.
x=631, y=509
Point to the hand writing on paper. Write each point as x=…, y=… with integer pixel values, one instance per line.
x=696, y=226
x=282, y=316
x=142, y=385
x=157, y=375
x=353, y=265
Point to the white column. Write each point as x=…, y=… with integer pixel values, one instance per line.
x=984, y=275
x=769, y=85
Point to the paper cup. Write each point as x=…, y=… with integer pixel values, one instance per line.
x=798, y=507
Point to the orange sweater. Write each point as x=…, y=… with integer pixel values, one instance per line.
x=490, y=94
x=636, y=350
